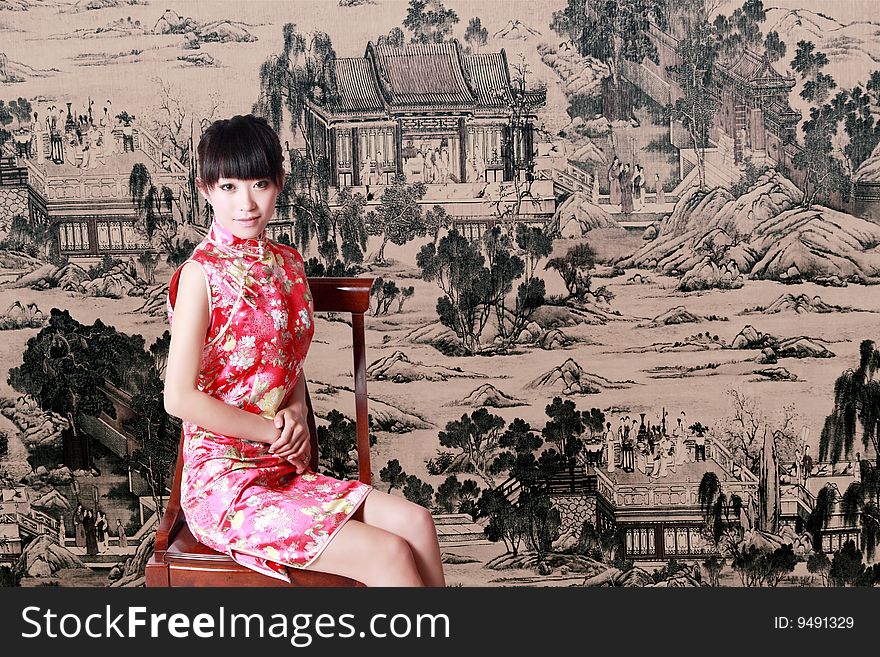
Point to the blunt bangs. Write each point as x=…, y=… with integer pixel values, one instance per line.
x=243, y=147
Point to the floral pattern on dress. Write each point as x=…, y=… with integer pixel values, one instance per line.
x=239, y=499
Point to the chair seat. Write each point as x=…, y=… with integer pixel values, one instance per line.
x=191, y=563
x=186, y=547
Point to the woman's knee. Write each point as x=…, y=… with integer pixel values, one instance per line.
x=421, y=522
x=394, y=551
x=404, y=518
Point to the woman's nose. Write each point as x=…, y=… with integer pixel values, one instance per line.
x=247, y=201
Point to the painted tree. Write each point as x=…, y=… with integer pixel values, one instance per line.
x=713, y=566
x=398, y=218
x=180, y=252
x=761, y=566
x=564, y=427
x=154, y=207
x=384, y=292
x=774, y=46
x=151, y=428
x=429, y=21
x=856, y=406
x=819, y=564
x=302, y=71
x=148, y=259
x=821, y=513
x=541, y=520
x=405, y=293
x=602, y=545
x=454, y=496
x=6, y=118
x=476, y=36
x=348, y=226
x=447, y=494
x=612, y=31
x=437, y=220
x=508, y=200
x=66, y=363
x=303, y=199
x=175, y=125
x=742, y=432
x=860, y=123
x=337, y=441
x=741, y=29
x=476, y=439
x=63, y=372
x=520, y=443
x=504, y=521
x=861, y=506
x=21, y=109
x=418, y=491
x=575, y=267
x=824, y=173
x=37, y=233
x=721, y=513
x=594, y=420
x=159, y=351
x=697, y=54
x=534, y=243
x=393, y=39
x=504, y=268
x=393, y=475
x=458, y=268
x=846, y=565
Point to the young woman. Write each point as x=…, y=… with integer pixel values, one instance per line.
x=242, y=322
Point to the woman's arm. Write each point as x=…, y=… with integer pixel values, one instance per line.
x=182, y=398
x=296, y=399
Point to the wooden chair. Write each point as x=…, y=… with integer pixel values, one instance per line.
x=180, y=560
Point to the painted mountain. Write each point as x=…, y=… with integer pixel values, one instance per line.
x=766, y=233
x=516, y=29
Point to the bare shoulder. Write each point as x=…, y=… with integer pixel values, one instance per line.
x=192, y=288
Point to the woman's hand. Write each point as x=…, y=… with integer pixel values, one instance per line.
x=293, y=443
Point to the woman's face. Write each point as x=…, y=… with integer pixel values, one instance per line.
x=243, y=207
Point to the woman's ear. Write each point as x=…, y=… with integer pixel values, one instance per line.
x=200, y=185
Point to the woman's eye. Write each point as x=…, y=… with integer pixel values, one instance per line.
x=225, y=185
x=262, y=183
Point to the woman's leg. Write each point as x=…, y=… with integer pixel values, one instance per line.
x=411, y=521
x=370, y=555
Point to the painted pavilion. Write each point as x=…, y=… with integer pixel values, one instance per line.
x=429, y=111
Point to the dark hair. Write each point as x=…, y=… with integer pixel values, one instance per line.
x=244, y=147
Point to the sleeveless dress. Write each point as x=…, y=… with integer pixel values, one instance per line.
x=239, y=499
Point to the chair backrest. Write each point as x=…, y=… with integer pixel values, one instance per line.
x=330, y=294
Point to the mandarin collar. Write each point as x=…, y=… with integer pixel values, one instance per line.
x=227, y=242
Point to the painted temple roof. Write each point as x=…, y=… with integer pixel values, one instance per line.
x=356, y=90
x=429, y=74
x=490, y=78
x=423, y=76
x=756, y=71
x=783, y=114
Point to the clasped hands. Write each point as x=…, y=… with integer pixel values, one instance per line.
x=293, y=442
